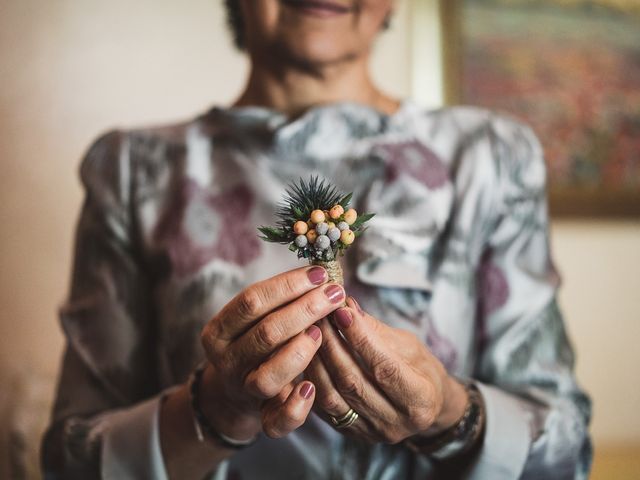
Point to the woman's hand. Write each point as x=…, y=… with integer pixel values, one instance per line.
x=258, y=345
x=386, y=375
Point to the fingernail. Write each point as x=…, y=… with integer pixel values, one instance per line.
x=314, y=332
x=307, y=390
x=317, y=275
x=343, y=318
x=355, y=302
x=335, y=293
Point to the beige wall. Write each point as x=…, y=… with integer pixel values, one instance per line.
x=600, y=266
x=71, y=69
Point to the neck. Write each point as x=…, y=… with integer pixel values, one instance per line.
x=294, y=89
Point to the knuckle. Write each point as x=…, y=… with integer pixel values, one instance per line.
x=392, y=437
x=350, y=384
x=330, y=402
x=431, y=399
x=283, y=422
x=259, y=383
x=312, y=309
x=293, y=417
x=385, y=371
x=421, y=418
x=249, y=303
x=209, y=336
x=206, y=338
x=290, y=284
x=267, y=336
x=360, y=343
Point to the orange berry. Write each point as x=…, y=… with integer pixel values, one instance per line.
x=300, y=227
x=336, y=211
x=317, y=216
x=350, y=216
x=347, y=237
x=312, y=235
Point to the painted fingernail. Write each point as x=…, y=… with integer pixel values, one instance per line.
x=317, y=275
x=355, y=302
x=314, y=332
x=335, y=293
x=343, y=318
x=307, y=390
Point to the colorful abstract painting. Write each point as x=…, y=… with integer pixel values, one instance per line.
x=571, y=69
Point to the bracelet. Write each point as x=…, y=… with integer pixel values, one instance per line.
x=461, y=437
x=201, y=423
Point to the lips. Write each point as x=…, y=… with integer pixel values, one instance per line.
x=318, y=7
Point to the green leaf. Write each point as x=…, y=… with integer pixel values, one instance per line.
x=274, y=234
x=344, y=202
x=360, y=231
x=298, y=213
x=362, y=219
x=293, y=247
x=269, y=230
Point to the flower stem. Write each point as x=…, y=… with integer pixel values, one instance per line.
x=333, y=268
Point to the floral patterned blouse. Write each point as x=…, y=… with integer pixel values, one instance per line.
x=458, y=254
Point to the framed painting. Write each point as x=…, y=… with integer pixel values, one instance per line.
x=571, y=70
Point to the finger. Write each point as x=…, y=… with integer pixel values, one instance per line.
x=361, y=332
x=282, y=395
x=283, y=367
x=281, y=418
x=328, y=400
x=283, y=324
x=352, y=382
x=259, y=299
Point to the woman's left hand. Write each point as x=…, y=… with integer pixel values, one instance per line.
x=387, y=375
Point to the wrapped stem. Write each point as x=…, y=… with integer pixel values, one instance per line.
x=333, y=268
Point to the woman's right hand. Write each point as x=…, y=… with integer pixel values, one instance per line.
x=258, y=345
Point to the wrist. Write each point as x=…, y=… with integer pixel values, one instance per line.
x=226, y=416
x=461, y=438
x=183, y=455
x=455, y=401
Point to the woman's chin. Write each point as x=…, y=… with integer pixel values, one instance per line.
x=323, y=50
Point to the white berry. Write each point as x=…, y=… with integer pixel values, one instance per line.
x=322, y=242
x=301, y=241
x=322, y=228
x=343, y=226
x=334, y=234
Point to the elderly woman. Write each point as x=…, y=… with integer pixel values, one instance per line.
x=453, y=361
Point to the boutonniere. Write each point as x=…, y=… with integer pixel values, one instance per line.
x=317, y=222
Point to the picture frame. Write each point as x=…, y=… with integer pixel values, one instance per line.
x=569, y=70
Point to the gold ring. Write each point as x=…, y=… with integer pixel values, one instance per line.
x=345, y=420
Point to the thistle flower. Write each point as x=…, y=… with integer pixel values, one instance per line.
x=331, y=225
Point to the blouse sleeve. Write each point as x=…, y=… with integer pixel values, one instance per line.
x=537, y=415
x=104, y=422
